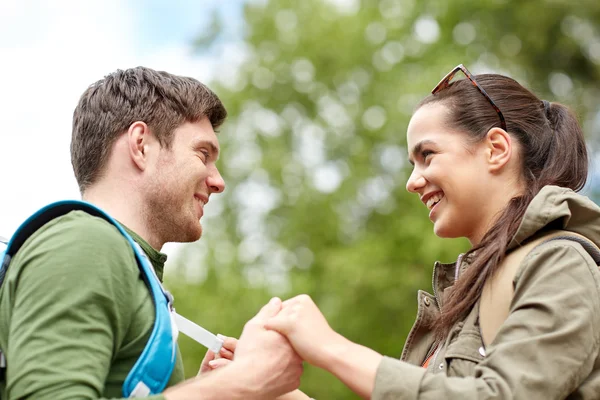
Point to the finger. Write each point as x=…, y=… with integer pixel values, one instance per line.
x=218, y=363
x=204, y=365
x=208, y=356
x=269, y=310
x=294, y=300
x=280, y=323
x=229, y=343
x=224, y=353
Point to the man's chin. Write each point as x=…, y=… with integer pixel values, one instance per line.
x=196, y=234
x=192, y=234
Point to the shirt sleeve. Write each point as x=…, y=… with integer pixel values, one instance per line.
x=544, y=350
x=67, y=317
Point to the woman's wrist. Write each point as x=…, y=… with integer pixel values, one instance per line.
x=355, y=365
x=331, y=350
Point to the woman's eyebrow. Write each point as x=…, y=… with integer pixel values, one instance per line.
x=417, y=149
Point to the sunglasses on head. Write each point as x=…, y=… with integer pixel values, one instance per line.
x=444, y=83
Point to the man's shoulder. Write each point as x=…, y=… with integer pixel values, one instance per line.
x=79, y=227
x=77, y=239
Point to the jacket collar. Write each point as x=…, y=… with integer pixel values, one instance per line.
x=556, y=207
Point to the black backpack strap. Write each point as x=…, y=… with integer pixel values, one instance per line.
x=587, y=245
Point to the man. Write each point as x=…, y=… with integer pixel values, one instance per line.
x=75, y=314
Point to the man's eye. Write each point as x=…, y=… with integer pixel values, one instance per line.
x=426, y=153
x=205, y=155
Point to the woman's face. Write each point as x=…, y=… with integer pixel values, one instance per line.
x=450, y=175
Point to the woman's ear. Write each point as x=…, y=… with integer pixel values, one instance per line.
x=498, y=149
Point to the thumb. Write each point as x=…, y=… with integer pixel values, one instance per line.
x=270, y=309
x=278, y=323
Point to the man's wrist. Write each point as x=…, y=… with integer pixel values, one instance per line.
x=233, y=382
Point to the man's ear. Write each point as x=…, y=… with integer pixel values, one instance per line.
x=499, y=149
x=138, y=138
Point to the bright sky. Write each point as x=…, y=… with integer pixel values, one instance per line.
x=51, y=51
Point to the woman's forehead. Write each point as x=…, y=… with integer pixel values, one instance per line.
x=429, y=119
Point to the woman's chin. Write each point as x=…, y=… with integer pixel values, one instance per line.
x=443, y=231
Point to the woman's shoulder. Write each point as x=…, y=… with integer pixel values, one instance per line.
x=559, y=208
x=560, y=261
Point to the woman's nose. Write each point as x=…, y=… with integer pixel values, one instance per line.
x=415, y=182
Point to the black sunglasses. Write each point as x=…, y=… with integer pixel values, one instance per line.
x=444, y=83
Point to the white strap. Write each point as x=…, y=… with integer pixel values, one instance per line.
x=140, y=390
x=198, y=333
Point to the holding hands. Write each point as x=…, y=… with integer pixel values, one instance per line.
x=297, y=319
x=274, y=368
x=281, y=335
x=301, y=321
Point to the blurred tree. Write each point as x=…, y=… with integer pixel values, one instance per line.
x=314, y=158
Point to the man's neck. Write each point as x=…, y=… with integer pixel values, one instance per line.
x=125, y=206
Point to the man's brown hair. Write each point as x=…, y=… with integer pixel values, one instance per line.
x=108, y=107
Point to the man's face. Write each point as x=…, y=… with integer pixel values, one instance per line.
x=181, y=181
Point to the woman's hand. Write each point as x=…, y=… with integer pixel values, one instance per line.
x=301, y=321
x=226, y=354
x=313, y=339
x=295, y=395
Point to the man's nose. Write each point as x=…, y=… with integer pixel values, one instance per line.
x=215, y=181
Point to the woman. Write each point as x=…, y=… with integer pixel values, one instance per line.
x=495, y=164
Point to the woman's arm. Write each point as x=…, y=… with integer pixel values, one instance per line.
x=546, y=348
x=314, y=340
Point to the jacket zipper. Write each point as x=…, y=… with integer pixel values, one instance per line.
x=456, y=271
x=433, y=279
x=457, y=267
x=437, y=352
x=433, y=349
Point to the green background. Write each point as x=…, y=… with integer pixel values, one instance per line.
x=314, y=157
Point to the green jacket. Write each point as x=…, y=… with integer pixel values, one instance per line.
x=547, y=348
x=75, y=314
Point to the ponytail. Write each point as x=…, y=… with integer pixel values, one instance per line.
x=567, y=162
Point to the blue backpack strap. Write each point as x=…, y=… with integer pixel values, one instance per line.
x=153, y=369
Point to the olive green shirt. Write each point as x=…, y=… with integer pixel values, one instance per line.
x=549, y=345
x=75, y=314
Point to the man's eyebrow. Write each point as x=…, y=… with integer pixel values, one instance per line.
x=417, y=149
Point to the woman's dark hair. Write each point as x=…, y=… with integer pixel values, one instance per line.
x=553, y=152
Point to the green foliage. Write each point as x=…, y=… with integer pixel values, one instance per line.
x=313, y=154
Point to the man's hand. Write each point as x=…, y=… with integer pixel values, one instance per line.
x=275, y=366
x=264, y=366
x=306, y=328
x=212, y=361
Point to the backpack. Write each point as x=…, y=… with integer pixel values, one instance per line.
x=152, y=371
x=493, y=310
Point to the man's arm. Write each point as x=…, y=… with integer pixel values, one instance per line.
x=69, y=315
x=65, y=291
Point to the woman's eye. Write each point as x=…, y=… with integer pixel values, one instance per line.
x=425, y=154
